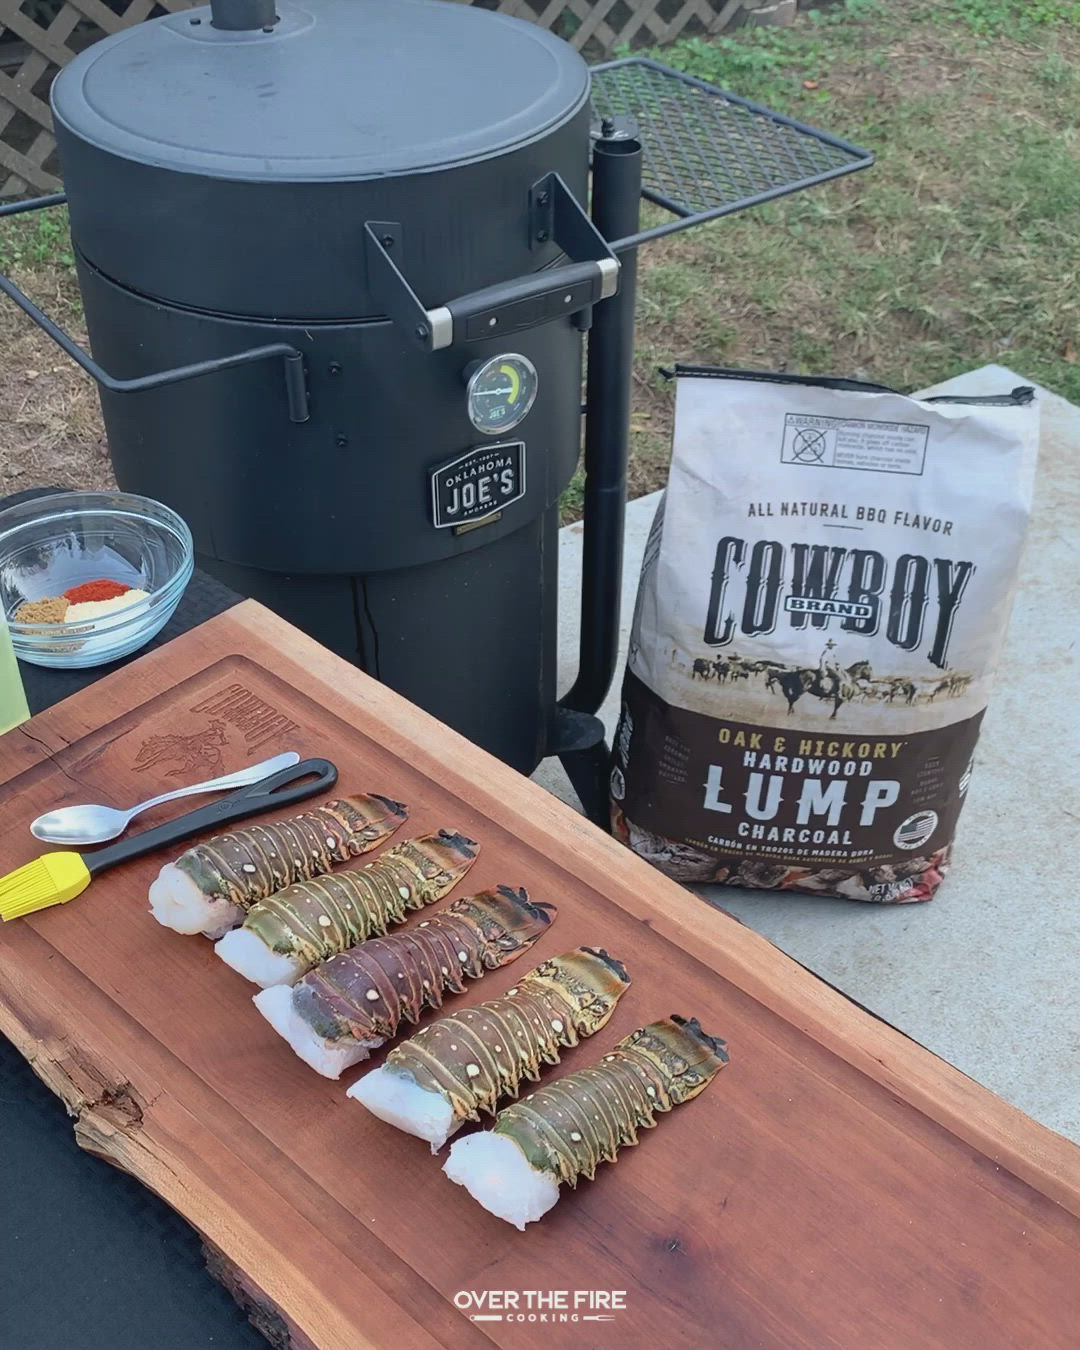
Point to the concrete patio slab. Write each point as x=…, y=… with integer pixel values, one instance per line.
x=986, y=975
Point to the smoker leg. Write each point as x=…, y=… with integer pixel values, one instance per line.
x=588, y=773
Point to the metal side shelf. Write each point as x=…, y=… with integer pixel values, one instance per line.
x=707, y=153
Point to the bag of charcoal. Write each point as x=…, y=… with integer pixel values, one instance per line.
x=823, y=599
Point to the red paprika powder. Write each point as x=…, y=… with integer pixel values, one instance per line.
x=102, y=589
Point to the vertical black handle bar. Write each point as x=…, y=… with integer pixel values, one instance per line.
x=293, y=360
x=617, y=165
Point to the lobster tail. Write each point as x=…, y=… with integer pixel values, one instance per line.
x=393, y=808
x=458, y=844
x=687, y=1057
x=616, y=967
x=568, y=1128
x=712, y=1045
x=474, y=1058
x=314, y=920
x=247, y=865
x=508, y=919
x=364, y=994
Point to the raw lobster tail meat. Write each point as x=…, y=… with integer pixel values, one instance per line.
x=465, y=1062
x=210, y=887
x=339, y=1012
x=292, y=930
x=563, y=1132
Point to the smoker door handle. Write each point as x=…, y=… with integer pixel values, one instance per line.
x=292, y=359
x=555, y=216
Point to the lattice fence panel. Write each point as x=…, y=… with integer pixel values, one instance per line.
x=37, y=37
x=599, y=26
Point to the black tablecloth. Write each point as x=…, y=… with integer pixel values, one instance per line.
x=89, y=1259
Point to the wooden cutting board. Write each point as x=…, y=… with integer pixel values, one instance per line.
x=836, y=1188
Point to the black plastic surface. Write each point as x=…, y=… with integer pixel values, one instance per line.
x=89, y=1259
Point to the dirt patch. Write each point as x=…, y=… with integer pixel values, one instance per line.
x=51, y=432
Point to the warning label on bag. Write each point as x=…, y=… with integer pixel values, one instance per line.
x=855, y=443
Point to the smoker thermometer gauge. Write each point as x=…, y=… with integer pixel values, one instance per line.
x=500, y=392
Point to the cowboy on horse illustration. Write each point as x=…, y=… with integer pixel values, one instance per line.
x=830, y=672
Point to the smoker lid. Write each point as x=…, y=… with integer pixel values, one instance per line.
x=339, y=89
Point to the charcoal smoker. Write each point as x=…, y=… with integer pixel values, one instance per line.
x=338, y=268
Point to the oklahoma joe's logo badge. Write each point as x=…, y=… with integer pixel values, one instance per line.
x=478, y=485
x=541, y=1306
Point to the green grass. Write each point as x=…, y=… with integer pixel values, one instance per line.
x=1015, y=18
x=959, y=247
x=38, y=239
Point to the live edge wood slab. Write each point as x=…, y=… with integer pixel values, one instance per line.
x=837, y=1188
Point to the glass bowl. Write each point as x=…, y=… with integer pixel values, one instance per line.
x=51, y=544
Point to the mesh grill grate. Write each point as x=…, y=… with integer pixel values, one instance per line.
x=703, y=149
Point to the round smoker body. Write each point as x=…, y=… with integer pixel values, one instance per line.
x=348, y=490
x=219, y=183
x=329, y=521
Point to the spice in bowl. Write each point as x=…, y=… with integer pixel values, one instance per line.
x=102, y=589
x=53, y=609
x=91, y=600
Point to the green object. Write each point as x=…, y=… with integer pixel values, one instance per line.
x=13, y=709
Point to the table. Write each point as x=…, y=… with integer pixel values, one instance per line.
x=89, y=1259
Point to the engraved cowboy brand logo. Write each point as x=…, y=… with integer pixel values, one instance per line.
x=201, y=751
x=232, y=706
x=248, y=713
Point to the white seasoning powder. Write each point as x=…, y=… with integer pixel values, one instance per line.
x=95, y=609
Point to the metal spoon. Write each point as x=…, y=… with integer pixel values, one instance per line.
x=95, y=824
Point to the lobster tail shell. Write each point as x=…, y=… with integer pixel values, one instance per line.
x=508, y=920
x=369, y=816
x=568, y=1128
x=458, y=843
x=474, y=1058
x=588, y=982
x=365, y=993
x=248, y=865
x=393, y=808
x=687, y=1058
x=312, y=921
x=711, y=1045
x=616, y=967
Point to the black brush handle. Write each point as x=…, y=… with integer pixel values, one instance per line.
x=295, y=784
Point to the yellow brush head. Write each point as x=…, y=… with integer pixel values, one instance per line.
x=49, y=880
